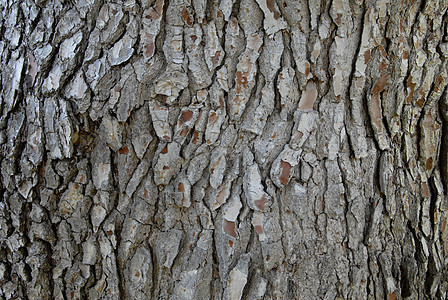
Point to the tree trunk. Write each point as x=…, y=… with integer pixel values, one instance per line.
x=234, y=149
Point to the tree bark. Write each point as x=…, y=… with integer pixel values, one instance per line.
x=234, y=149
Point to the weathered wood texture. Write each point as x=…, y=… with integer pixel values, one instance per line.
x=234, y=149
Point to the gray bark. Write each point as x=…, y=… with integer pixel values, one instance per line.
x=234, y=149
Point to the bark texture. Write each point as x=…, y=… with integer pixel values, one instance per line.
x=233, y=149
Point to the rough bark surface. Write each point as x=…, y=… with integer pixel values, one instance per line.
x=234, y=149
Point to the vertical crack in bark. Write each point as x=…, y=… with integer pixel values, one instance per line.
x=443, y=154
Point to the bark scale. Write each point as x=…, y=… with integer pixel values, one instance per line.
x=234, y=149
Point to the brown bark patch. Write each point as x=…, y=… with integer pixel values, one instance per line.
x=429, y=163
x=229, y=228
x=420, y=102
x=307, y=69
x=164, y=150
x=411, y=86
x=425, y=190
x=187, y=115
x=380, y=84
x=184, y=132
x=308, y=96
x=221, y=197
x=443, y=229
x=213, y=118
x=186, y=17
x=366, y=56
x=195, y=137
x=271, y=6
x=149, y=51
x=240, y=80
x=437, y=84
x=261, y=203
x=286, y=170
x=375, y=110
x=124, y=150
